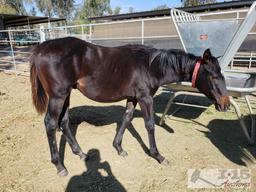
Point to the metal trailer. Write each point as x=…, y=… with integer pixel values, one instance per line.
x=221, y=36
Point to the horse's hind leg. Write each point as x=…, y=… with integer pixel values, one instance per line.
x=65, y=127
x=52, y=116
x=128, y=115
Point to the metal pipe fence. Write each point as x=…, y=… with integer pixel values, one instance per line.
x=16, y=44
x=247, y=60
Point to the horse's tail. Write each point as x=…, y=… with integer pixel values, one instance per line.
x=39, y=97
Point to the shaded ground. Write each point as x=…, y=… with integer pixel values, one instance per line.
x=193, y=138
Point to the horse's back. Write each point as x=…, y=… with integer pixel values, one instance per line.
x=101, y=73
x=115, y=73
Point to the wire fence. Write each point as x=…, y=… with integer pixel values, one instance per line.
x=17, y=45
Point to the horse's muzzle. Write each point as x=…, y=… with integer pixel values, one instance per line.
x=223, y=104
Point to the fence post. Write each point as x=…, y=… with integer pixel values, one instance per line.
x=82, y=28
x=237, y=16
x=232, y=63
x=66, y=30
x=42, y=34
x=250, y=61
x=90, y=33
x=142, y=32
x=13, y=56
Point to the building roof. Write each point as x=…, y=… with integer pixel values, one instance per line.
x=166, y=12
x=19, y=20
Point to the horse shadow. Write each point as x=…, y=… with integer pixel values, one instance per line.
x=229, y=138
x=97, y=177
x=106, y=115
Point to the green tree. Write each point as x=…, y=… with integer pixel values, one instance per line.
x=60, y=8
x=92, y=8
x=12, y=6
x=130, y=10
x=7, y=9
x=159, y=7
x=17, y=5
x=114, y=11
x=63, y=8
x=187, y=3
x=117, y=10
x=32, y=11
x=45, y=7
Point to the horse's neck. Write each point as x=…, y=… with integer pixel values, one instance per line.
x=182, y=71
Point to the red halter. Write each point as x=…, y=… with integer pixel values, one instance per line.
x=195, y=72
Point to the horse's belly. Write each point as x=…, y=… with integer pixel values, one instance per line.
x=99, y=92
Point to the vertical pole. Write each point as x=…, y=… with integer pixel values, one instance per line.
x=90, y=32
x=49, y=28
x=66, y=30
x=250, y=61
x=13, y=56
x=237, y=16
x=82, y=28
x=49, y=22
x=42, y=34
x=142, y=32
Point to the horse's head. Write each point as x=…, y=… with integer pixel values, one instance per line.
x=211, y=82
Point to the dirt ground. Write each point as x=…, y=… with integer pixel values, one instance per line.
x=192, y=138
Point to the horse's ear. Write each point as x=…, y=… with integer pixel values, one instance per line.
x=207, y=54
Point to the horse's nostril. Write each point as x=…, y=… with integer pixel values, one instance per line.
x=228, y=105
x=224, y=103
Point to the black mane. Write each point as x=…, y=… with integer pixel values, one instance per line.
x=161, y=61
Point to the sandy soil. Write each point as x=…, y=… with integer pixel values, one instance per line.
x=192, y=138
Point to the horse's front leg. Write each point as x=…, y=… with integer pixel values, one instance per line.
x=146, y=105
x=128, y=115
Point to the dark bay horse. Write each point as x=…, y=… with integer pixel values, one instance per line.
x=131, y=72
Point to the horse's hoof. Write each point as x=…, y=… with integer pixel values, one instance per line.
x=63, y=173
x=84, y=157
x=165, y=162
x=123, y=153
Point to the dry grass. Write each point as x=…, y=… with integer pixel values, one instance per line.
x=194, y=138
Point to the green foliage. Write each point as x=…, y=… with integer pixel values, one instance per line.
x=159, y=7
x=45, y=7
x=92, y=8
x=117, y=10
x=131, y=10
x=32, y=11
x=17, y=5
x=61, y=8
x=12, y=7
x=187, y=3
x=7, y=9
x=114, y=11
